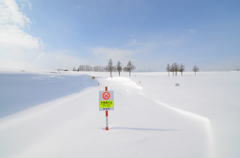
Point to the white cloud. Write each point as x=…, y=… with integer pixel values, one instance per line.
x=10, y=14
x=17, y=47
x=56, y=60
x=12, y=24
x=114, y=53
x=14, y=36
x=21, y=50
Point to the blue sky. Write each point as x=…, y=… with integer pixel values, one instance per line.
x=151, y=33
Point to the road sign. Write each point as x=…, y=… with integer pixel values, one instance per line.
x=106, y=100
x=106, y=95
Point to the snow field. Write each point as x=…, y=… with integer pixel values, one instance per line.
x=152, y=118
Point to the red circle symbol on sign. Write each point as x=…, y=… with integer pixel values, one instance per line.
x=106, y=95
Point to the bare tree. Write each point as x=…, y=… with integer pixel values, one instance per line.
x=110, y=67
x=172, y=69
x=85, y=68
x=181, y=69
x=168, y=69
x=195, y=69
x=119, y=67
x=175, y=68
x=129, y=68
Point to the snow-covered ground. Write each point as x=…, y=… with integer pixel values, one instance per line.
x=22, y=90
x=213, y=95
x=152, y=118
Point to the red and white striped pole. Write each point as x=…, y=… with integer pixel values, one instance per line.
x=106, y=113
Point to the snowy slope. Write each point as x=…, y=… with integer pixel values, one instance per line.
x=73, y=127
x=21, y=90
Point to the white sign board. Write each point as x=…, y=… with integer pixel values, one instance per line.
x=106, y=100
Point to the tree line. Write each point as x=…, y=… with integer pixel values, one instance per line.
x=96, y=68
x=109, y=68
x=175, y=68
x=119, y=68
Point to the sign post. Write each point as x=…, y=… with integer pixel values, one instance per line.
x=106, y=112
x=106, y=103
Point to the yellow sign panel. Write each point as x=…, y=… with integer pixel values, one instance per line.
x=107, y=104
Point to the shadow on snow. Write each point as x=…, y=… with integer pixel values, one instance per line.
x=143, y=129
x=22, y=91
